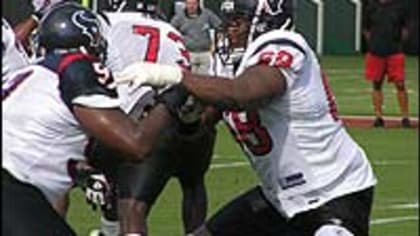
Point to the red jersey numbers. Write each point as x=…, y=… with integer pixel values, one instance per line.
x=278, y=59
x=153, y=34
x=249, y=132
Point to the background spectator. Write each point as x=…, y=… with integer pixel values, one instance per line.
x=195, y=23
x=385, y=29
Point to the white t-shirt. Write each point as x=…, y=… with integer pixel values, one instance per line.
x=299, y=148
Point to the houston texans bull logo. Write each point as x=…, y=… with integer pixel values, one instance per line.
x=87, y=24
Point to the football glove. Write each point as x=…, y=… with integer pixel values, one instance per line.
x=93, y=183
x=146, y=73
x=97, y=191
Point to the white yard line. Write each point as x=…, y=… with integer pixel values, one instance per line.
x=392, y=163
x=399, y=206
x=413, y=118
x=245, y=163
x=228, y=165
x=382, y=221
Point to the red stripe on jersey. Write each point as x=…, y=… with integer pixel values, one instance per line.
x=70, y=58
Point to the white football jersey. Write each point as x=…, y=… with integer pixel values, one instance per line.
x=134, y=37
x=40, y=134
x=298, y=146
x=13, y=56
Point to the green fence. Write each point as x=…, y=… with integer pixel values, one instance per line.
x=339, y=27
x=306, y=21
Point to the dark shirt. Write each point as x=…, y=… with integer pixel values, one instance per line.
x=77, y=76
x=385, y=23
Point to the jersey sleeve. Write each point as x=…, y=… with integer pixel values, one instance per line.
x=283, y=53
x=83, y=82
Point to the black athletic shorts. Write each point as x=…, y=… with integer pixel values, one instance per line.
x=26, y=211
x=352, y=211
x=252, y=214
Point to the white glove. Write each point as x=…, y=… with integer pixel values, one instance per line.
x=97, y=191
x=146, y=73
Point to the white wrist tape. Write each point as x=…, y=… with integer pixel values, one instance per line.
x=146, y=73
x=167, y=74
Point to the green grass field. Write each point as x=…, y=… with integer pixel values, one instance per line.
x=393, y=152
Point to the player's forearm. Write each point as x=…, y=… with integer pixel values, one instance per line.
x=136, y=142
x=213, y=90
x=117, y=133
x=247, y=91
x=148, y=131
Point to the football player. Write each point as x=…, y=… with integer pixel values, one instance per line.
x=137, y=34
x=49, y=111
x=314, y=178
x=13, y=56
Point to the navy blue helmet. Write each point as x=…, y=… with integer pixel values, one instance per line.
x=70, y=26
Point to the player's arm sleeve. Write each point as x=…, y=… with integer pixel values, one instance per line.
x=287, y=55
x=80, y=85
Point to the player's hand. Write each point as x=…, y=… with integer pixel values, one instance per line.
x=97, y=191
x=146, y=73
x=92, y=181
